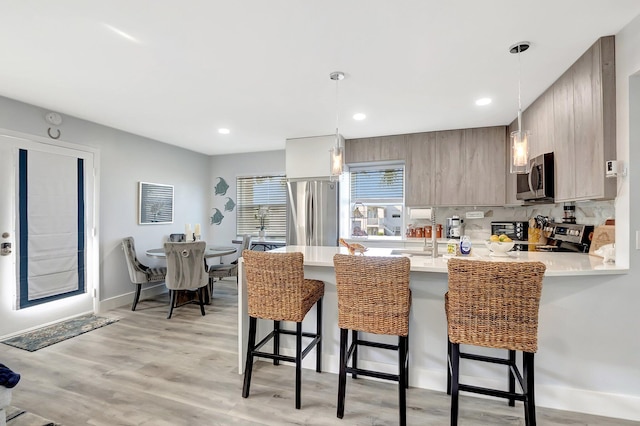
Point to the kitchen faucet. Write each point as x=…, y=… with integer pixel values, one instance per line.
x=434, y=240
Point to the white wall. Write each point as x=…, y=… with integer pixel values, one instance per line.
x=230, y=167
x=126, y=159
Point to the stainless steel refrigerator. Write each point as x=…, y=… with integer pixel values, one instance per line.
x=312, y=213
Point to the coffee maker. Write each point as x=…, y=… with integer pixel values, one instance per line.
x=454, y=227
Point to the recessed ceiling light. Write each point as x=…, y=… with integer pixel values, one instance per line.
x=359, y=116
x=483, y=101
x=224, y=131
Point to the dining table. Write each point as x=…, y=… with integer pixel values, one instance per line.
x=211, y=251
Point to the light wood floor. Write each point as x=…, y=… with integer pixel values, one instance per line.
x=147, y=370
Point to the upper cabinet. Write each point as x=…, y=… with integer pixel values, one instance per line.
x=584, y=125
x=309, y=157
x=575, y=119
x=420, y=173
x=446, y=168
x=485, y=153
x=382, y=148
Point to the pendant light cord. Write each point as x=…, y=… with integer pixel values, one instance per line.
x=337, y=112
x=519, y=94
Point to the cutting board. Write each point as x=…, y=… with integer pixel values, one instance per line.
x=604, y=234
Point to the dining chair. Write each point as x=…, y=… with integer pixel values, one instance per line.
x=223, y=270
x=185, y=271
x=177, y=238
x=278, y=291
x=373, y=297
x=494, y=305
x=139, y=273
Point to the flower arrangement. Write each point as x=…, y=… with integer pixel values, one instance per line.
x=262, y=214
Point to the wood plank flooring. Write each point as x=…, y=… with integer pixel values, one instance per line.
x=147, y=370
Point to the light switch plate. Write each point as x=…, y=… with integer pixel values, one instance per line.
x=475, y=215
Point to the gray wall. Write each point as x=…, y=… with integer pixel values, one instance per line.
x=126, y=159
x=230, y=167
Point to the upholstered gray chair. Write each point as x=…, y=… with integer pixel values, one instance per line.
x=185, y=270
x=139, y=273
x=177, y=238
x=227, y=269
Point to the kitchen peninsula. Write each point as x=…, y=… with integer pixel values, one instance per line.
x=561, y=308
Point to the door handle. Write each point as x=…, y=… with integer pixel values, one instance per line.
x=5, y=249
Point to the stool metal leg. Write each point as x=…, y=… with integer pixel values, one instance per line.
x=512, y=378
x=448, y=366
x=342, y=374
x=249, y=365
x=276, y=341
x=319, y=333
x=455, y=380
x=406, y=368
x=298, y=362
x=529, y=402
x=402, y=378
x=354, y=355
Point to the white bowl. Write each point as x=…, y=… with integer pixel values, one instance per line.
x=500, y=248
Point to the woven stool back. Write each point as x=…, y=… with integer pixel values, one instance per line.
x=276, y=287
x=373, y=293
x=494, y=304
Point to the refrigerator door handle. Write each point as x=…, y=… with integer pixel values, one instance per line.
x=309, y=216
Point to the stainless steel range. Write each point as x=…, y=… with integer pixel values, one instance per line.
x=568, y=237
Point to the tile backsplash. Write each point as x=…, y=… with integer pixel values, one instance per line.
x=586, y=213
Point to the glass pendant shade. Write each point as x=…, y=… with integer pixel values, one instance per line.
x=336, y=158
x=520, y=152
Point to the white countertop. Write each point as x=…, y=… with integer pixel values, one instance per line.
x=558, y=264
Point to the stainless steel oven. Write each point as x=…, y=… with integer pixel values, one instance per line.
x=517, y=231
x=537, y=186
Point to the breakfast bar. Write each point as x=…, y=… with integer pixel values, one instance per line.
x=563, y=316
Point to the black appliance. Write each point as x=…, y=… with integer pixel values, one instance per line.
x=517, y=231
x=538, y=185
x=568, y=237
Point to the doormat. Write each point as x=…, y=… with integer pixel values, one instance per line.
x=19, y=417
x=41, y=338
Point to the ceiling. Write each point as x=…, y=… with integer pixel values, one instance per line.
x=177, y=71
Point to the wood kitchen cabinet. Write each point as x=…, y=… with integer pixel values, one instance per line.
x=484, y=168
x=382, y=148
x=420, y=169
x=584, y=126
x=564, y=137
x=470, y=167
x=450, y=168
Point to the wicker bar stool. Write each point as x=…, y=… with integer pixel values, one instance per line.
x=495, y=305
x=373, y=297
x=278, y=291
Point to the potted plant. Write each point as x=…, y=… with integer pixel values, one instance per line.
x=262, y=214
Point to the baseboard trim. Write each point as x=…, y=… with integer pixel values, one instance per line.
x=127, y=298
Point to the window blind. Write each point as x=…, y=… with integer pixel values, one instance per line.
x=379, y=185
x=261, y=196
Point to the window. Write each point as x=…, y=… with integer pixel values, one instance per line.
x=377, y=200
x=262, y=205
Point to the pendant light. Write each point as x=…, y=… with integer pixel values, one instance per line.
x=519, y=138
x=337, y=152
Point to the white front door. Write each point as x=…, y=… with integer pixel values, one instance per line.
x=19, y=310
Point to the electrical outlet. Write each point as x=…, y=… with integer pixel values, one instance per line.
x=474, y=215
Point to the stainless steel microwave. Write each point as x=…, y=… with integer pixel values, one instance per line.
x=537, y=186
